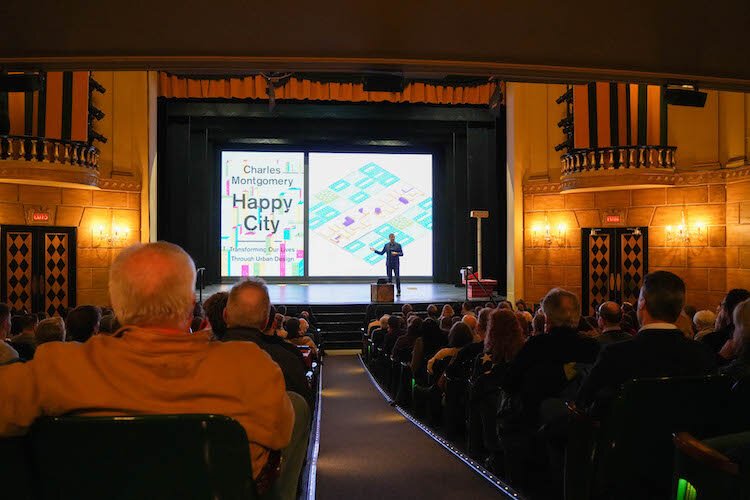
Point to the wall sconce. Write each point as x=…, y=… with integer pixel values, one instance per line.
x=684, y=234
x=115, y=238
x=545, y=236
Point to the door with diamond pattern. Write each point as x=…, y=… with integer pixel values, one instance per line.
x=38, y=268
x=614, y=262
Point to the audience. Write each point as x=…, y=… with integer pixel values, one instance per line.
x=82, y=323
x=294, y=335
x=739, y=367
x=537, y=324
x=432, y=311
x=460, y=336
x=406, y=309
x=447, y=311
x=405, y=343
x=471, y=321
x=378, y=335
x=50, y=330
x=246, y=316
x=462, y=363
x=725, y=320
x=609, y=318
x=394, y=331
x=25, y=341
x=7, y=353
x=214, y=307
x=154, y=364
x=659, y=350
x=431, y=339
x=703, y=323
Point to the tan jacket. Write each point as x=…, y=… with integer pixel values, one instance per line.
x=141, y=371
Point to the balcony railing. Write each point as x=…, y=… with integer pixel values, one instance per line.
x=625, y=157
x=609, y=168
x=38, y=149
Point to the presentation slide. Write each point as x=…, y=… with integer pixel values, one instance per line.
x=262, y=214
x=356, y=200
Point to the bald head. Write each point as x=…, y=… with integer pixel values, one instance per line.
x=610, y=314
x=248, y=305
x=153, y=285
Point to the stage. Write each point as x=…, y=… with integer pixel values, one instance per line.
x=351, y=293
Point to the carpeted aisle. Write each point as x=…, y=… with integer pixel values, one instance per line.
x=368, y=450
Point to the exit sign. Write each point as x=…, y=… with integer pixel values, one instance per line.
x=40, y=216
x=613, y=219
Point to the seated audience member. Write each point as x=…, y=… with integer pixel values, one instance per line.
x=405, y=343
x=740, y=365
x=7, y=353
x=445, y=324
x=272, y=338
x=524, y=324
x=447, y=312
x=294, y=335
x=82, y=323
x=529, y=318
x=466, y=309
x=432, y=311
x=685, y=324
x=25, y=342
x=659, y=350
x=431, y=339
x=280, y=330
x=470, y=320
x=378, y=335
x=460, y=336
x=521, y=305
x=246, y=316
x=504, y=338
x=703, y=323
x=690, y=312
x=304, y=326
x=394, y=331
x=214, y=307
x=535, y=373
x=609, y=317
x=154, y=364
x=49, y=330
x=462, y=363
x=406, y=309
x=307, y=316
x=725, y=320
x=537, y=324
x=504, y=304
x=109, y=324
x=454, y=320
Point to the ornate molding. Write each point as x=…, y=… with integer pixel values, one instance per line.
x=119, y=185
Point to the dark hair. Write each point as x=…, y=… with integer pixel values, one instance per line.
x=455, y=319
x=198, y=311
x=292, y=328
x=538, y=322
x=271, y=317
x=406, y=309
x=4, y=312
x=22, y=322
x=504, y=336
x=446, y=323
x=460, y=335
x=415, y=325
x=466, y=306
x=663, y=294
x=109, y=324
x=82, y=322
x=196, y=323
x=214, y=307
x=610, y=312
x=732, y=300
x=394, y=322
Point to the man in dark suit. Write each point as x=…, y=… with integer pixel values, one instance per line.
x=725, y=323
x=658, y=350
x=393, y=253
x=609, y=317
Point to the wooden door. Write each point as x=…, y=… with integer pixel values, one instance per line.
x=614, y=262
x=39, y=268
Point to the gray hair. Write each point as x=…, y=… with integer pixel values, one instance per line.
x=705, y=319
x=50, y=330
x=152, y=284
x=243, y=310
x=561, y=308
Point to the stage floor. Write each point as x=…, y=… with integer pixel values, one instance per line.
x=351, y=293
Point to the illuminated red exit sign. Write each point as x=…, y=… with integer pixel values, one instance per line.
x=40, y=216
x=613, y=219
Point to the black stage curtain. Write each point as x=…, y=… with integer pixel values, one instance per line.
x=467, y=143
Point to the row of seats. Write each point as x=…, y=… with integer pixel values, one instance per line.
x=651, y=441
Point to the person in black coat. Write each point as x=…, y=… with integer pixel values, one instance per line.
x=609, y=317
x=246, y=315
x=393, y=253
x=658, y=350
x=725, y=322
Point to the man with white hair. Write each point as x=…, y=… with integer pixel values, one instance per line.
x=704, y=322
x=153, y=364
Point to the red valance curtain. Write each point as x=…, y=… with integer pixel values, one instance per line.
x=254, y=87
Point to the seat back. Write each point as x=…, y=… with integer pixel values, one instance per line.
x=152, y=456
x=635, y=449
x=16, y=470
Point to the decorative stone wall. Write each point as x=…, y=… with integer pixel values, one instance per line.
x=710, y=264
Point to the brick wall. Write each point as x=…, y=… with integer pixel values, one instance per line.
x=710, y=265
x=85, y=210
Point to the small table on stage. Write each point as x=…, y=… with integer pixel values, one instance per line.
x=381, y=292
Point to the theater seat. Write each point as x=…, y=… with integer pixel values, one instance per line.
x=166, y=457
x=705, y=473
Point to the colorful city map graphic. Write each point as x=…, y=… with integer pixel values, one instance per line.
x=362, y=208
